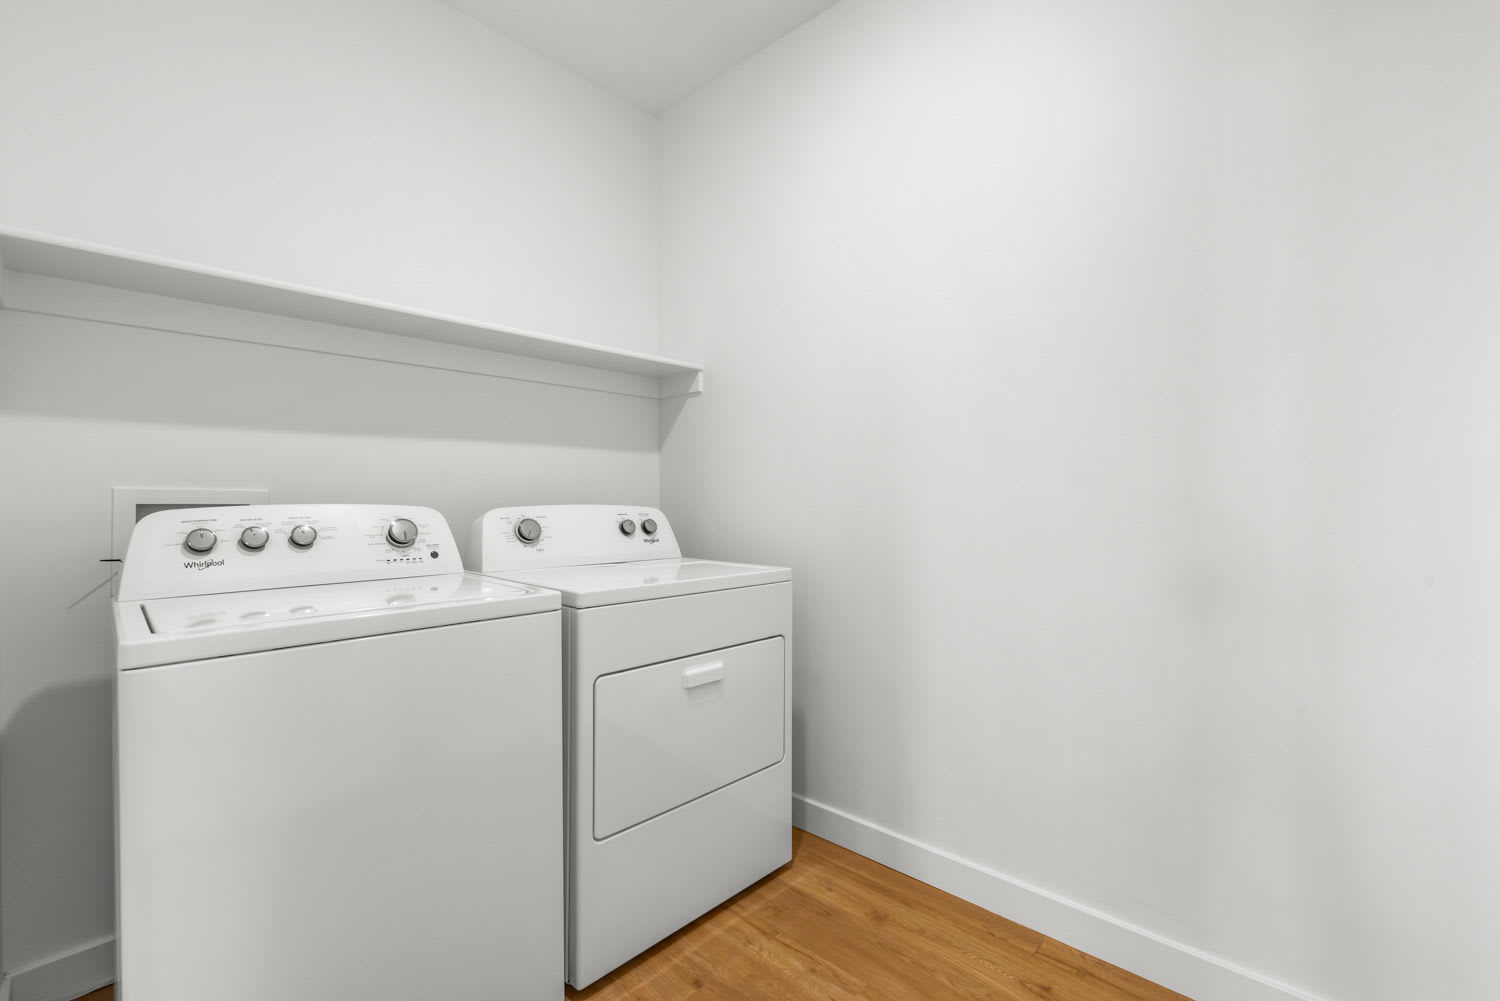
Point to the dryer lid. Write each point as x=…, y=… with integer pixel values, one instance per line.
x=615, y=583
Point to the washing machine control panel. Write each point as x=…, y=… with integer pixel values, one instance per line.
x=210, y=550
x=565, y=535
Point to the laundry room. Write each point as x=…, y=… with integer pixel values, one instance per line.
x=1094, y=401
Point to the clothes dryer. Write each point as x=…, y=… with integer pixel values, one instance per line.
x=678, y=687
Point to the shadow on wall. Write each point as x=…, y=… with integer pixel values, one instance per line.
x=50, y=751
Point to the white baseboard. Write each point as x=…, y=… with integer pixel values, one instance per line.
x=64, y=977
x=1180, y=967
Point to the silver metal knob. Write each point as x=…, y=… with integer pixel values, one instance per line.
x=648, y=525
x=255, y=538
x=201, y=540
x=528, y=530
x=402, y=533
x=627, y=527
x=303, y=536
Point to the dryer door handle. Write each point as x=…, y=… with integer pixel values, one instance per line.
x=703, y=674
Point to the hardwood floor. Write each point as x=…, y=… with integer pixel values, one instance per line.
x=834, y=926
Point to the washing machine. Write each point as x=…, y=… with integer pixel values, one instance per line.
x=338, y=764
x=677, y=687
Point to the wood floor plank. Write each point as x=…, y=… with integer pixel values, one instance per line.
x=1082, y=964
x=835, y=926
x=897, y=941
x=938, y=914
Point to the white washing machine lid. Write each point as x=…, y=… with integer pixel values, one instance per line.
x=197, y=627
x=644, y=580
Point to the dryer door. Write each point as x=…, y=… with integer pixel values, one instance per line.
x=669, y=733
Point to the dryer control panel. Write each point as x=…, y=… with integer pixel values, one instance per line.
x=212, y=550
x=568, y=535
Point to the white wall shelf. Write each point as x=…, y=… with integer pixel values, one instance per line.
x=61, y=277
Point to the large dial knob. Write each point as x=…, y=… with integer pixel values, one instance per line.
x=648, y=525
x=402, y=533
x=627, y=527
x=255, y=538
x=528, y=530
x=303, y=536
x=201, y=540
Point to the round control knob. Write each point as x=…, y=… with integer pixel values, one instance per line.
x=528, y=530
x=201, y=540
x=303, y=536
x=402, y=533
x=255, y=538
x=627, y=527
x=649, y=526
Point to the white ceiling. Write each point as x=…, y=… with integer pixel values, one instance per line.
x=653, y=53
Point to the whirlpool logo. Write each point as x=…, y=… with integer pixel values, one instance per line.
x=202, y=564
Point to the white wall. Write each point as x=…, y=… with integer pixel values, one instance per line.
x=394, y=150
x=86, y=406
x=1120, y=382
